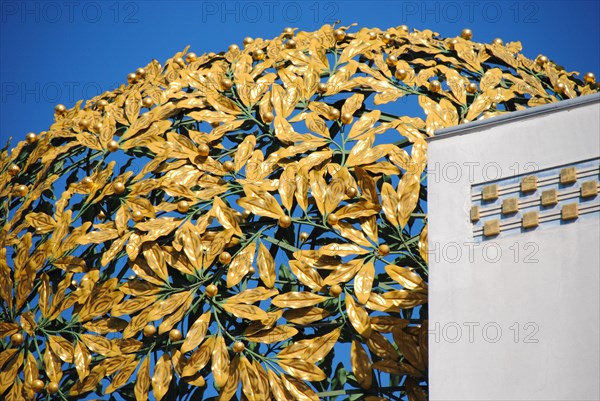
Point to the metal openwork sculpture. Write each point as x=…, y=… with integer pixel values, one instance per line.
x=239, y=226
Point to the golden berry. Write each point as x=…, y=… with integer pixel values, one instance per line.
x=183, y=206
x=175, y=335
x=335, y=290
x=211, y=290
x=238, y=347
x=285, y=221
x=37, y=385
x=60, y=109
x=203, y=150
x=383, y=250
x=147, y=102
x=225, y=258
x=31, y=137
x=118, y=187
x=190, y=57
x=113, y=146
x=333, y=219
x=17, y=339
x=52, y=388
x=149, y=330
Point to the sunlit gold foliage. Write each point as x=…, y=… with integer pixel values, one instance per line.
x=228, y=219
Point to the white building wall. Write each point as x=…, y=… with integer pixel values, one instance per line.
x=516, y=316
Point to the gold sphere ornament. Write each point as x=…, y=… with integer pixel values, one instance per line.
x=147, y=102
x=52, y=388
x=113, y=146
x=466, y=34
x=131, y=78
x=351, y=192
x=31, y=138
x=383, y=250
x=248, y=40
x=498, y=42
x=102, y=103
x=87, y=182
x=228, y=166
x=74, y=283
x=238, y=347
x=452, y=44
x=303, y=236
x=288, y=32
x=472, y=88
x=391, y=60
x=251, y=270
x=346, y=118
x=285, y=221
x=322, y=87
x=404, y=28
x=541, y=59
x=400, y=74
x=225, y=258
x=179, y=61
x=37, y=385
x=246, y=214
x=175, y=335
x=140, y=73
x=60, y=109
x=387, y=38
x=212, y=290
x=335, y=290
x=17, y=339
x=339, y=35
x=191, y=57
x=259, y=54
x=435, y=86
x=97, y=126
x=227, y=84
x=333, y=219
x=372, y=35
x=335, y=114
x=137, y=215
x=21, y=190
x=560, y=88
x=183, y=206
x=203, y=150
x=13, y=170
x=101, y=215
x=233, y=48
x=118, y=187
x=268, y=117
x=84, y=124
x=149, y=330
x=589, y=78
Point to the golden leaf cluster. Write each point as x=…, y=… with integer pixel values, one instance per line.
x=222, y=222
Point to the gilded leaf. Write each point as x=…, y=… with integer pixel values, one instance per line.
x=196, y=333
x=220, y=362
x=361, y=365
x=295, y=300
x=163, y=373
x=358, y=316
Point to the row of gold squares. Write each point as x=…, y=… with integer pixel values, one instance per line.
x=530, y=184
x=569, y=211
x=549, y=198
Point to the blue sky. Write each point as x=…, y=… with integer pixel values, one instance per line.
x=60, y=51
